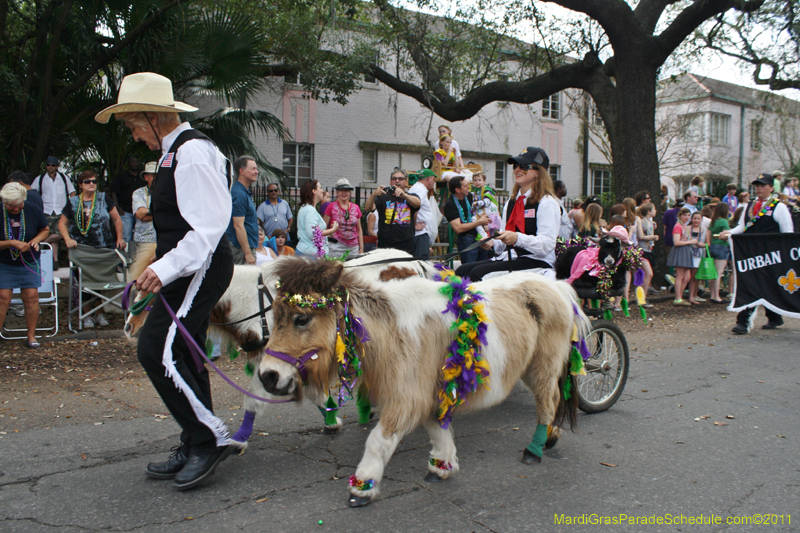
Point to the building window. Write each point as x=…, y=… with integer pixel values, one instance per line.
x=690, y=128
x=720, y=128
x=369, y=160
x=551, y=107
x=601, y=181
x=597, y=120
x=555, y=172
x=293, y=79
x=755, y=135
x=298, y=162
x=500, y=175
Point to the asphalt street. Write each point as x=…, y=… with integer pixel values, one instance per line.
x=701, y=430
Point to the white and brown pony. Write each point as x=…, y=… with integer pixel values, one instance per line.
x=240, y=308
x=531, y=323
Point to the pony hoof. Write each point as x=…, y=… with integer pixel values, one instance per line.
x=359, y=501
x=530, y=459
x=330, y=430
x=432, y=478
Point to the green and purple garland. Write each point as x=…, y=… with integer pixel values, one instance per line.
x=465, y=368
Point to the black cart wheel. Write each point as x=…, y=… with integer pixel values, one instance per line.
x=606, y=369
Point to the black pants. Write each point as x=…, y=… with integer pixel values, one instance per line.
x=744, y=316
x=475, y=271
x=196, y=435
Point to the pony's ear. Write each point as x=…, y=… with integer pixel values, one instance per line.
x=595, y=240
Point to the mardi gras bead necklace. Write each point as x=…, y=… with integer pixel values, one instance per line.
x=80, y=220
x=10, y=232
x=767, y=208
x=461, y=215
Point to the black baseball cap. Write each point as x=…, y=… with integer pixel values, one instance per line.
x=764, y=179
x=531, y=154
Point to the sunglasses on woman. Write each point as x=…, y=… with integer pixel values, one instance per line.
x=89, y=182
x=524, y=168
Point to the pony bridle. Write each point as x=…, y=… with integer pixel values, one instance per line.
x=298, y=362
x=262, y=312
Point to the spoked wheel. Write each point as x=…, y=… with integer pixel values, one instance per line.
x=606, y=369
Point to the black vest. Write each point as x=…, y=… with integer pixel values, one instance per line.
x=765, y=224
x=530, y=224
x=170, y=226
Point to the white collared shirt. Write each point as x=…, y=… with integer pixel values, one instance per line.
x=541, y=246
x=54, y=197
x=204, y=201
x=781, y=215
x=425, y=213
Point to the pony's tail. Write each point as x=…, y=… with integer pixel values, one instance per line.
x=567, y=409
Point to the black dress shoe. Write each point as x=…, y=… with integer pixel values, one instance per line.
x=771, y=325
x=170, y=467
x=739, y=329
x=199, y=467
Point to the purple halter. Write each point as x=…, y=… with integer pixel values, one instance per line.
x=299, y=363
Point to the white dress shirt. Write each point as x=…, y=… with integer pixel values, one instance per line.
x=204, y=201
x=781, y=215
x=425, y=213
x=541, y=246
x=54, y=196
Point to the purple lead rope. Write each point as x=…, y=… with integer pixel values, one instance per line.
x=197, y=354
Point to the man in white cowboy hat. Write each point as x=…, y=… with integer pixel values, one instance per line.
x=191, y=208
x=144, y=234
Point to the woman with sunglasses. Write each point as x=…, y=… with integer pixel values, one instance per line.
x=87, y=217
x=24, y=226
x=530, y=224
x=349, y=237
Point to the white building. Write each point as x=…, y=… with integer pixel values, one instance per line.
x=380, y=129
x=724, y=132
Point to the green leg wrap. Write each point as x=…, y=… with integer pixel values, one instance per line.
x=330, y=411
x=363, y=406
x=539, y=438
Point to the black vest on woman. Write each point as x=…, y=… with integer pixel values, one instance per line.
x=170, y=226
x=530, y=225
x=765, y=224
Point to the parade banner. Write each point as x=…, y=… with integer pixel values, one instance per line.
x=767, y=269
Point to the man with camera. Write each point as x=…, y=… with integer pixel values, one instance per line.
x=397, y=211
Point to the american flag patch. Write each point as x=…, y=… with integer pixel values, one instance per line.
x=530, y=213
x=167, y=162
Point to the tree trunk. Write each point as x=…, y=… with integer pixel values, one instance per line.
x=633, y=136
x=633, y=143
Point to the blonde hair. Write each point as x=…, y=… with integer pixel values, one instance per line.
x=646, y=208
x=542, y=186
x=591, y=220
x=630, y=211
x=442, y=138
x=13, y=193
x=445, y=126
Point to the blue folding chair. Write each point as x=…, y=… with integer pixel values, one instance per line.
x=48, y=297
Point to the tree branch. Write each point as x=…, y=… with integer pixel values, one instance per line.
x=648, y=12
x=691, y=18
x=580, y=74
x=614, y=16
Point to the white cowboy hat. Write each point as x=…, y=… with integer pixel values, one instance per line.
x=144, y=91
x=150, y=168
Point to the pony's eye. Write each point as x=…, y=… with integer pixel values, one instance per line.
x=301, y=321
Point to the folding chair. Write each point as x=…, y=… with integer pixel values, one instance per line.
x=92, y=270
x=48, y=296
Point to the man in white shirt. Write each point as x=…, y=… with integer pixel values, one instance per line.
x=690, y=199
x=426, y=225
x=55, y=189
x=191, y=209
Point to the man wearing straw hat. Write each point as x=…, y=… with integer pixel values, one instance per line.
x=191, y=209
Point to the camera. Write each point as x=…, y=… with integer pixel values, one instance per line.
x=390, y=190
